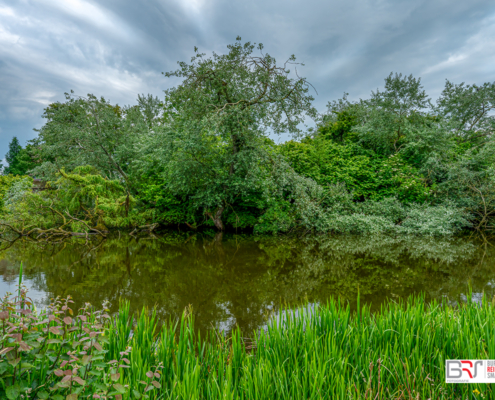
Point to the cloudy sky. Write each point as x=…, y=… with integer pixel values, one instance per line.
x=118, y=48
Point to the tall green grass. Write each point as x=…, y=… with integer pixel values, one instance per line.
x=329, y=352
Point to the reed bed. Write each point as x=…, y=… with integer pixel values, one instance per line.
x=328, y=352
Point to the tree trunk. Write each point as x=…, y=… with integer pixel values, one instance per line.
x=217, y=218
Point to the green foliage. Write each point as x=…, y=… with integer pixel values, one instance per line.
x=86, y=191
x=368, y=177
x=203, y=156
x=220, y=116
x=11, y=157
x=82, y=201
x=6, y=182
x=386, y=348
x=471, y=185
x=92, y=131
x=338, y=127
x=327, y=163
x=59, y=354
x=395, y=177
x=391, y=217
x=390, y=117
x=164, y=206
x=21, y=160
x=469, y=110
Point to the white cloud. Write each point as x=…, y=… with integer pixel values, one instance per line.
x=119, y=48
x=450, y=62
x=473, y=60
x=92, y=14
x=8, y=38
x=6, y=12
x=192, y=5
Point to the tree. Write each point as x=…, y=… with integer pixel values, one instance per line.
x=21, y=160
x=390, y=116
x=11, y=156
x=469, y=109
x=26, y=160
x=338, y=122
x=92, y=131
x=339, y=128
x=220, y=116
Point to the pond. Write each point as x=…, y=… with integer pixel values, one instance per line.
x=231, y=280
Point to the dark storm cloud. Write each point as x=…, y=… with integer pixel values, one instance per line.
x=118, y=48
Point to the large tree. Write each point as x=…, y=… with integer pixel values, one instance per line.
x=92, y=131
x=217, y=148
x=391, y=116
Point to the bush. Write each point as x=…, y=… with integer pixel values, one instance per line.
x=434, y=220
x=81, y=201
x=11, y=187
x=59, y=354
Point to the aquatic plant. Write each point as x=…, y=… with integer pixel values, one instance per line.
x=321, y=352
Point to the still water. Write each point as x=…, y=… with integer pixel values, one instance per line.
x=241, y=280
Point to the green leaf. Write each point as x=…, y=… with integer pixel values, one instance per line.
x=136, y=394
x=119, y=388
x=15, y=361
x=13, y=392
x=100, y=365
x=100, y=386
x=43, y=395
x=3, y=367
x=57, y=397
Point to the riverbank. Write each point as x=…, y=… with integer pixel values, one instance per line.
x=328, y=352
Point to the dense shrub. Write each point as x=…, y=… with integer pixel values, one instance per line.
x=10, y=187
x=62, y=354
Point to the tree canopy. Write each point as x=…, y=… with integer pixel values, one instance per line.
x=204, y=155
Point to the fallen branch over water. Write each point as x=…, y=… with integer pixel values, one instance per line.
x=144, y=228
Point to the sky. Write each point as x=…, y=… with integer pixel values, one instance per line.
x=119, y=48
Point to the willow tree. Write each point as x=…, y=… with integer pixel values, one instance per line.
x=220, y=118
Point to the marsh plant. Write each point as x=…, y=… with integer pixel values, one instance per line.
x=60, y=354
x=321, y=352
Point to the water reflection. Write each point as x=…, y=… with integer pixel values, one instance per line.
x=242, y=279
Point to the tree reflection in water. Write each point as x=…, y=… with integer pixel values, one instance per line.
x=241, y=279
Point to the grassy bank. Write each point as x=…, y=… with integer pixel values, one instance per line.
x=329, y=353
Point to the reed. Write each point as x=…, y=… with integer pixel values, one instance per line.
x=328, y=352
